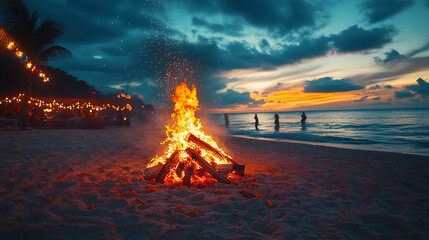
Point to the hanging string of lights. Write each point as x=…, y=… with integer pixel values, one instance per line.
x=7, y=41
x=55, y=106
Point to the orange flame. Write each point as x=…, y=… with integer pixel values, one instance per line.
x=185, y=122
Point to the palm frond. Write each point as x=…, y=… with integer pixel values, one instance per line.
x=14, y=14
x=47, y=32
x=53, y=52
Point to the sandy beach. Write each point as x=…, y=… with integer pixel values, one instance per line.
x=88, y=184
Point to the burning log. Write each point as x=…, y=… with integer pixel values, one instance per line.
x=169, y=163
x=228, y=168
x=206, y=166
x=225, y=168
x=238, y=168
x=188, y=174
x=150, y=173
x=179, y=169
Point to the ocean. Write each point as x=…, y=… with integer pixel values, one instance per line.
x=394, y=130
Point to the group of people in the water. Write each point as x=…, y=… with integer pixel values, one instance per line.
x=276, y=120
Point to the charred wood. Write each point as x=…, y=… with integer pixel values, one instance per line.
x=206, y=166
x=179, y=169
x=238, y=168
x=169, y=163
x=150, y=173
x=189, y=172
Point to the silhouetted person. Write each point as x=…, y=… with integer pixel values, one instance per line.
x=303, y=118
x=226, y=120
x=276, y=122
x=256, y=121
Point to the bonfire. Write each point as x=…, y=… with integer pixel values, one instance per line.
x=192, y=156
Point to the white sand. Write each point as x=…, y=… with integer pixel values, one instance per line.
x=50, y=178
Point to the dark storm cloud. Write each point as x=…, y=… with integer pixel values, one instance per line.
x=328, y=85
x=355, y=38
x=391, y=56
x=227, y=29
x=277, y=16
x=380, y=10
x=403, y=94
x=98, y=21
x=240, y=54
x=422, y=88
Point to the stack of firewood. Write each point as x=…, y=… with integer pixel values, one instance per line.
x=218, y=172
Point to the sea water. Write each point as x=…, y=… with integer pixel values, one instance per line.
x=398, y=130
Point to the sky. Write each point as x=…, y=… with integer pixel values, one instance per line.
x=250, y=55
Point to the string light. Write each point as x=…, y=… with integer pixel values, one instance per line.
x=14, y=48
x=54, y=106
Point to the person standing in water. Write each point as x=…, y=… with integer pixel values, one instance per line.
x=276, y=122
x=226, y=120
x=256, y=121
x=303, y=118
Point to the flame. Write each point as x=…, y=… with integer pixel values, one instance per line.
x=185, y=122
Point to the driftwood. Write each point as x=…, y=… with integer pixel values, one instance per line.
x=169, y=163
x=238, y=168
x=206, y=166
x=150, y=173
x=188, y=174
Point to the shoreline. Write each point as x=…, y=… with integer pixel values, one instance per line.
x=323, y=144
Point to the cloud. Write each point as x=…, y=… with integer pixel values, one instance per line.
x=327, y=85
x=403, y=94
x=123, y=85
x=355, y=38
x=240, y=54
x=422, y=88
x=99, y=21
x=264, y=44
x=232, y=98
x=418, y=50
x=406, y=66
x=375, y=98
x=278, y=17
x=233, y=29
x=362, y=99
x=380, y=10
x=376, y=87
x=391, y=56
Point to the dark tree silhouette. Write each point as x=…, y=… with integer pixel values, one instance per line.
x=36, y=40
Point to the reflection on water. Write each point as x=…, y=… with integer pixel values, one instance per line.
x=402, y=130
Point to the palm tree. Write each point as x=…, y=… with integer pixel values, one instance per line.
x=36, y=40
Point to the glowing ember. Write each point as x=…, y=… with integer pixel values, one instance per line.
x=183, y=146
